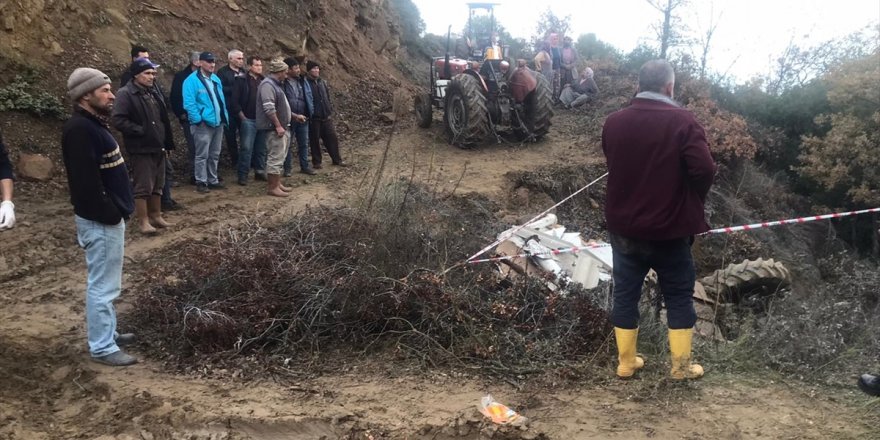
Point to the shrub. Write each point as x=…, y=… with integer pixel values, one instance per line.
x=23, y=95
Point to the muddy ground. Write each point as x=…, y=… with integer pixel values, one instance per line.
x=49, y=389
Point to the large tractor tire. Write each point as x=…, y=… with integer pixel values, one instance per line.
x=423, y=111
x=751, y=277
x=466, y=116
x=538, y=112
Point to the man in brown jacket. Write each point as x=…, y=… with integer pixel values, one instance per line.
x=140, y=115
x=659, y=174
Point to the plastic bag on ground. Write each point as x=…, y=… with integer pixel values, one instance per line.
x=500, y=413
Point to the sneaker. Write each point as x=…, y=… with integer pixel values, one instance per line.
x=242, y=181
x=202, y=188
x=217, y=185
x=309, y=171
x=870, y=384
x=341, y=163
x=125, y=338
x=287, y=173
x=118, y=359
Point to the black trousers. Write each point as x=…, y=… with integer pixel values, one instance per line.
x=231, y=132
x=674, y=264
x=323, y=130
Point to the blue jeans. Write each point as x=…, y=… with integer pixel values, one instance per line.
x=252, y=149
x=208, y=141
x=104, y=246
x=672, y=261
x=301, y=133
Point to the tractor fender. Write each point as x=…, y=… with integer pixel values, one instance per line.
x=522, y=82
x=479, y=78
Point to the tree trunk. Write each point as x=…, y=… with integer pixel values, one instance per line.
x=667, y=29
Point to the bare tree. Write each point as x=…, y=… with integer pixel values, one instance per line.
x=670, y=31
x=706, y=38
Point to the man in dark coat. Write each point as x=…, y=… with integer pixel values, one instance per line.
x=659, y=174
x=321, y=128
x=227, y=75
x=142, y=118
x=101, y=196
x=177, y=106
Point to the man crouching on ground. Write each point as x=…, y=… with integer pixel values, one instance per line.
x=102, y=200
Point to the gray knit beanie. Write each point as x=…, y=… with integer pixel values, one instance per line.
x=84, y=80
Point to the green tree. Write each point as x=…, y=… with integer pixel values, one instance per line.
x=590, y=47
x=847, y=157
x=549, y=23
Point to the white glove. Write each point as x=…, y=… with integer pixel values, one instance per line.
x=7, y=215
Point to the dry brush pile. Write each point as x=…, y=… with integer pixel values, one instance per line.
x=337, y=280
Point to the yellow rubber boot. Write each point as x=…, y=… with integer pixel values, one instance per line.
x=629, y=362
x=680, y=341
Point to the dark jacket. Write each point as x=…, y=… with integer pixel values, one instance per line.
x=323, y=106
x=299, y=96
x=586, y=86
x=5, y=163
x=660, y=171
x=96, y=175
x=125, y=78
x=244, y=97
x=144, y=130
x=177, y=92
x=227, y=78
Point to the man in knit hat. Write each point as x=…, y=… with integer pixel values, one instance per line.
x=206, y=112
x=141, y=116
x=321, y=126
x=273, y=118
x=102, y=201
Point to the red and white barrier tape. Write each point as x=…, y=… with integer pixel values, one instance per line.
x=518, y=228
x=727, y=230
x=788, y=222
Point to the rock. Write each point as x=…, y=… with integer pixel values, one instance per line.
x=146, y=435
x=56, y=48
x=232, y=5
x=289, y=46
x=116, y=16
x=9, y=23
x=387, y=118
x=35, y=167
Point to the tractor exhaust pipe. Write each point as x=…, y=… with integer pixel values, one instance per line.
x=446, y=72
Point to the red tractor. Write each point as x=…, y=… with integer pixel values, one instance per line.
x=485, y=96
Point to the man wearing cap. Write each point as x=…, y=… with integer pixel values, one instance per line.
x=321, y=126
x=206, y=111
x=140, y=115
x=273, y=117
x=102, y=200
x=7, y=208
x=137, y=51
x=302, y=104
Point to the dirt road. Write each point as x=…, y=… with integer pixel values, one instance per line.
x=50, y=390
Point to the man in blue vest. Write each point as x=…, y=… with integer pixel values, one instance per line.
x=206, y=111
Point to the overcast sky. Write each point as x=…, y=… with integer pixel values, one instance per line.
x=750, y=34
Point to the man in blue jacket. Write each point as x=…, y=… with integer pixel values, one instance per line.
x=206, y=111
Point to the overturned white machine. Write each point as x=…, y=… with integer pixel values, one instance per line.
x=546, y=249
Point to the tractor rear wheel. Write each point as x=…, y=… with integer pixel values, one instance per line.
x=466, y=116
x=423, y=111
x=537, y=112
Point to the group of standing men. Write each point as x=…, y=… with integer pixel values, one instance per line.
x=261, y=115
x=266, y=110
x=559, y=66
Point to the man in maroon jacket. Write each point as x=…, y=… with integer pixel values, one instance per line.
x=659, y=174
